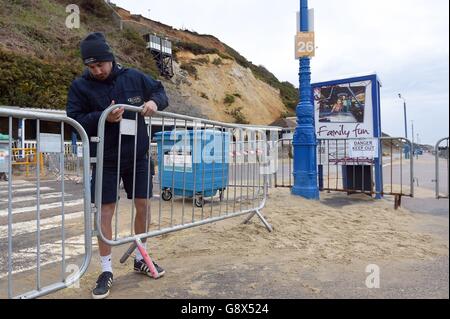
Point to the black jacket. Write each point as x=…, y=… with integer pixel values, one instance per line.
x=88, y=98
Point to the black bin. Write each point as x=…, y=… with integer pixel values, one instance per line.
x=357, y=178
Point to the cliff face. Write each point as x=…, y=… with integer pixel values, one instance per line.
x=223, y=90
x=38, y=61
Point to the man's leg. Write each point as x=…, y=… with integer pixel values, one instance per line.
x=140, y=227
x=140, y=222
x=107, y=215
x=105, y=280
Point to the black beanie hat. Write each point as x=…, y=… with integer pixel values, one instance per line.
x=94, y=48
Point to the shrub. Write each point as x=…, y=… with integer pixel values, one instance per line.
x=238, y=115
x=133, y=52
x=134, y=37
x=217, y=61
x=29, y=82
x=201, y=61
x=96, y=7
x=195, y=48
x=203, y=95
x=225, y=56
x=229, y=99
x=289, y=94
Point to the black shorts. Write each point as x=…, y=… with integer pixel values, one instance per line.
x=143, y=185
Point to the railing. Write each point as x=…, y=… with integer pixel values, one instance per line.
x=284, y=163
x=441, y=152
x=194, y=167
x=209, y=173
x=48, y=220
x=27, y=157
x=339, y=170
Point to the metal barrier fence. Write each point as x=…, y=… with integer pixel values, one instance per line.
x=338, y=170
x=202, y=178
x=26, y=157
x=73, y=162
x=25, y=245
x=284, y=163
x=441, y=152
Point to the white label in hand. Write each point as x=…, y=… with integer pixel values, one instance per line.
x=128, y=127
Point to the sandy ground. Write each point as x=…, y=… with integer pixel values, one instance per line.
x=318, y=249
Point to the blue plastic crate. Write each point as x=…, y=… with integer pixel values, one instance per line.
x=193, y=165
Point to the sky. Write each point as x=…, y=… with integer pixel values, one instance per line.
x=406, y=42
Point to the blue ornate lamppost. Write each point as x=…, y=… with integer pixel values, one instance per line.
x=305, y=163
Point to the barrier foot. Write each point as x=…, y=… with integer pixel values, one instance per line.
x=128, y=253
x=261, y=217
x=397, y=201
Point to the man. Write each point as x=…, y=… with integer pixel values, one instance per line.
x=104, y=83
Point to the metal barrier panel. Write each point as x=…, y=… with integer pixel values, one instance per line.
x=442, y=183
x=284, y=163
x=340, y=171
x=348, y=165
x=206, y=171
x=398, y=167
x=73, y=159
x=40, y=216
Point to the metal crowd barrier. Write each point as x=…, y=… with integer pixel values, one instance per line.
x=27, y=157
x=16, y=234
x=284, y=163
x=207, y=171
x=73, y=162
x=398, y=168
x=341, y=172
x=441, y=152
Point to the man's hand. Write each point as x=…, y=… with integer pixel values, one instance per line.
x=149, y=108
x=116, y=115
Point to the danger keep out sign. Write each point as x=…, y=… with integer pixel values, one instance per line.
x=363, y=148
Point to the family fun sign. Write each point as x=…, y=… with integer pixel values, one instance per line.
x=347, y=108
x=348, y=123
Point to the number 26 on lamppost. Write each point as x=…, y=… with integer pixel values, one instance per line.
x=304, y=45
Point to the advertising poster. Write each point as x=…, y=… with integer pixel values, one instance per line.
x=344, y=110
